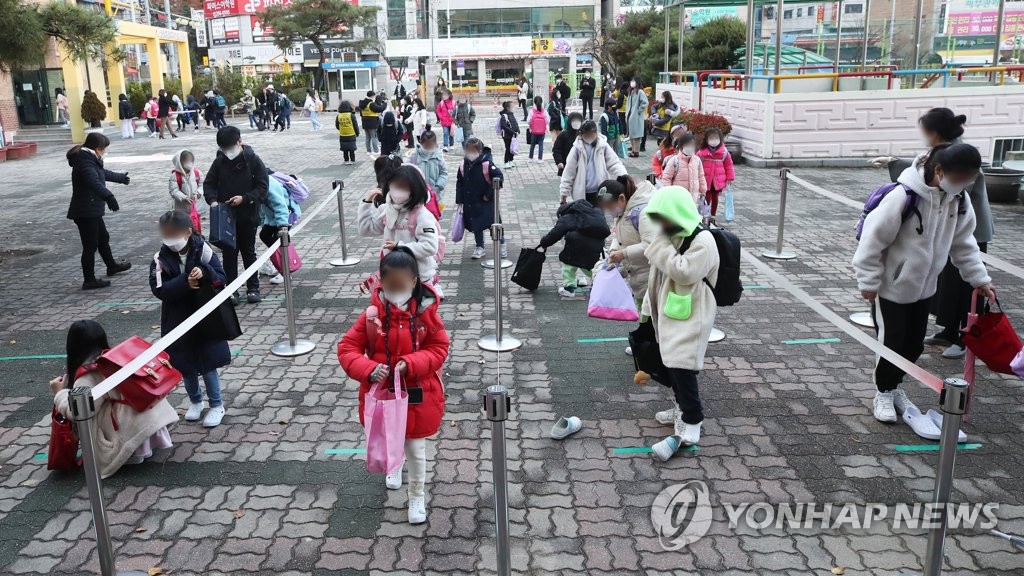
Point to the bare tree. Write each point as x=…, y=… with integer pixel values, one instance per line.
x=599, y=46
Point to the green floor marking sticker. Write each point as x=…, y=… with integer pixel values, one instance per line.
x=647, y=450
x=32, y=357
x=930, y=447
x=139, y=303
x=812, y=341
x=333, y=451
x=602, y=340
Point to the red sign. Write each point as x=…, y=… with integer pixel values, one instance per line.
x=222, y=8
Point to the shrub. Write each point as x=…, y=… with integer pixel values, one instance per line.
x=93, y=111
x=137, y=92
x=297, y=96
x=698, y=122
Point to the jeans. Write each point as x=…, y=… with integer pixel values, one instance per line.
x=538, y=141
x=64, y=118
x=446, y=132
x=522, y=104
x=372, y=144
x=479, y=238
x=252, y=120
x=151, y=125
x=219, y=121
x=684, y=385
x=245, y=239
x=94, y=235
x=902, y=328
x=314, y=119
x=195, y=395
x=569, y=275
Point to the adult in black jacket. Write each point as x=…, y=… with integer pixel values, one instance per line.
x=370, y=109
x=563, y=144
x=587, y=87
x=509, y=130
x=562, y=92
x=163, y=117
x=89, y=200
x=239, y=179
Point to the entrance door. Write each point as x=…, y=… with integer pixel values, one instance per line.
x=31, y=94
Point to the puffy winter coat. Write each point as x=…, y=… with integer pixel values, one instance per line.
x=659, y=159
x=718, y=168
x=416, y=229
x=584, y=228
x=390, y=133
x=465, y=116
x=276, y=210
x=688, y=172
x=632, y=233
x=445, y=112
x=245, y=176
x=416, y=335
x=185, y=187
x=89, y=193
x=433, y=166
x=474, y=192
x=574, y=177
x=348, y=131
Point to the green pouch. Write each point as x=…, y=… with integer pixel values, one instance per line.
x=679, y=307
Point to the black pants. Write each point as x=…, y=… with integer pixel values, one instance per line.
x=900, y=327
x=245, y=239
x=508, y=147
x=94, y=235
x=588, y=105
x=268, y=234
x=522, y=104
x=684, y=385
x=952, y=300
x=349, y=155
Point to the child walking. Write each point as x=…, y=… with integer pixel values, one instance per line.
x=538, y=127
x=402, y=332
x=686, y=169
x=184, y=184
x=429, y=159
x=390, y=133
x=610, y=128
x=584, y=228
x=474, y=193
x=717, y=164
x=902, y=251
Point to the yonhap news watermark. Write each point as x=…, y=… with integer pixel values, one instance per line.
x=682, y=514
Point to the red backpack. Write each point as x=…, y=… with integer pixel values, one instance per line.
x=538, y=125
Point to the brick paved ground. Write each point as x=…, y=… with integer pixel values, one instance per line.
x=259, y=494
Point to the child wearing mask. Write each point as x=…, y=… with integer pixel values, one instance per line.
x=665, y=153
x=681, y=305
x=402, y=219
x=610, y=128
x=348, y=132
x=185, y=182
x=686, y=169
x=184, y=264
x=429, y=159
x=474, y=193
x=904, y=244
x=402, y=332
x=537, y=125
x=390, y=133
x=584, y=228
x=717, y=164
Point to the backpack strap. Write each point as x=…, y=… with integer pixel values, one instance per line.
x=194, y=171
x=486, y=165
x=689, y=241
x=177, y=176
x=634, y=216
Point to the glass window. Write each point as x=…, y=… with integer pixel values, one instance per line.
x=547, y=20
x=799, y=13
x=787, y=15
x=854, y=8
x=348, y=79
x=396, y=24
x=515, y=21
x=578, y=18
x=363, y=80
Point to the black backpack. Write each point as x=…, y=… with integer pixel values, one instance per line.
x=728, y=289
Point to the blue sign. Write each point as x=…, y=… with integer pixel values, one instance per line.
x=350, y=65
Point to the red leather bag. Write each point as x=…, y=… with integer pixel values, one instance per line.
x=149, y=384
x=63, y=452
x=991, y=338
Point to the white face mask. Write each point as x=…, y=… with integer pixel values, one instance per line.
x=589, y=139
x=632, y=84
x=472, y=156
x=714, y=143
x=398, y=298
x=588, y=74
x=187, y=166
x=398, y=196
x=233, y=152
x=176, y=244
x=689, y=150
x=950, y=187
x=576, y=125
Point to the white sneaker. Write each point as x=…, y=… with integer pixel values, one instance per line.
x=954, y=351
x=194, y=412
x=214, y=417
x=666, y=448
x=566, y=292
x=691, y=434
x=901, y=402
x=629, y=350
x=268, y=269
x=667, y=416
x=277, y=279
x=504, y=251
x=936, y=417
x=478, y=253
x=417, y=505
x=582, y=281
x=680, y=426
x=884, y=409
x=394, y=480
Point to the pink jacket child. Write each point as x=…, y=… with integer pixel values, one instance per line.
x=445, y=112
x=688, y=172
x=718, y=167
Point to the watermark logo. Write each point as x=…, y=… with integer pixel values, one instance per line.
x=681, y=514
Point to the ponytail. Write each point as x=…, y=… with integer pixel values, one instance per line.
x=628, y=185
x=73, y=151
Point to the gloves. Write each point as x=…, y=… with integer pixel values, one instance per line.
x=112, y=204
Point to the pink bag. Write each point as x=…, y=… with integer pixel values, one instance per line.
x=384, y=418
x=458, y=226
x=611, y=298
x=294, y=262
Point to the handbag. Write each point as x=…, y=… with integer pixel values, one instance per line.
x=730, y=206
x=147, y=385
x=514, y=145
x=294, y=261
x=222, y=323
x=222, y=227
x=647, y=353
x=611, y=298
x=197, y=221
x=458, y=226
x=991, y=337
x=459, y=135
x=63, y=451
x=385, y=414
x=529, y=268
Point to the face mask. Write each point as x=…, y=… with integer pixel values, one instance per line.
x=576, y=125
x=589, y=139
x=689, y=150
x=632, y=84
x=428, y=150
x=176, y=244
x=187, y=166
x=588, y=75
x=398, y=196
x=950, y=187
x=714, y=143
x=398, y=298
x=472, y=156
x=616, y=212
x=233, y=152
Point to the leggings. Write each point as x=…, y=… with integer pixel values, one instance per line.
x=713, y=196
x=901, y=327
x=508, y=147
x=349, y=155
x=94, y=235
x=684, y=386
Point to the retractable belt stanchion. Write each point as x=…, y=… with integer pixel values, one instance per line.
x=496, y=192
x=345, y=259
x=83, y=410
x=499, y=342
x=293, y=346
x=863, y=319
x=497, y=404
x=779, y=254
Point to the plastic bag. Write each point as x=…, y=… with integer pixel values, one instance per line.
x=730, y=206
x=458, y=226
x=611, y=298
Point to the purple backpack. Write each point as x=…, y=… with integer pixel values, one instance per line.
x=909, y=209
x=297, y=189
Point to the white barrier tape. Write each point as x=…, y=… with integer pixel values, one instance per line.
x=993, y=261
x=308, y=217
x=115, y=379
x=913, y=370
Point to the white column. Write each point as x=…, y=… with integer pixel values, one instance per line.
x=481, y=75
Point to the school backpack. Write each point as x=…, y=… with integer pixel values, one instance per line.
x=612, y=127
x=221, y=103
x=485, y=165
x=634, y=215
x=297, y=189
x=177, y=175
x=411, y=222
x=538, y=125
x=728, y=288
x=875, y=198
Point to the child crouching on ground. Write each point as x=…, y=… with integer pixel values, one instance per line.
x=402, y=331
x=584, y=228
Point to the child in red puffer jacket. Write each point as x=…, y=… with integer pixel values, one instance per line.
x=402, y=331
x=718, y=169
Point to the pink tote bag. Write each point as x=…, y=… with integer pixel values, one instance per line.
x=385, y=412
x=611, y=298
x=294, y=260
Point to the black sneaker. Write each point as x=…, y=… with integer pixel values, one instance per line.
x=122, y=266
x=234, y=299
x=95, y=284
x=253, y=297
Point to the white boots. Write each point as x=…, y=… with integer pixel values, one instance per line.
x=416, y=462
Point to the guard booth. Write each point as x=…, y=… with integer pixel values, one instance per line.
x=349, y=81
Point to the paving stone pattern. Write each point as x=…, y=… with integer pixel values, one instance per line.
x=260, y=495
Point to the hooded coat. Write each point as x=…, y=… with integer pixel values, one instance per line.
x=416, y=335
x=584, y=228
x=465, y=116
x=89, y=192
x=445, y=112
x=183, y=196
x=633, y=239
x=563, y=143
x=416, y=229
x=390, y=133
x=680, y=304
x=474, y=192
x=574, y=177
x=433, y=166
x=277, y=209
x=636, y=113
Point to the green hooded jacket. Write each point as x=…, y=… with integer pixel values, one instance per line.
x=675, y=204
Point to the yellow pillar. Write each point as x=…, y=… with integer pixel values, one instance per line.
x=74, y=84
x=184, y=68
x=115, y=74
x=156, y=64
x=99, y=86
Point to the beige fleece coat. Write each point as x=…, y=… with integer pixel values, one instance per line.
x=634, y=240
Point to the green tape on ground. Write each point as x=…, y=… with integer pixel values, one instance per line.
x=812, y=341
x=237, y=351
x=930, y=447
x=41, y=456
x=601, y=340
x=647, y=450
x=32, y=357
x=333, y=451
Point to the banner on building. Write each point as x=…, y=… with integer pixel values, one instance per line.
x=551, y=46
x=979, y=18
x=259, y=32
x=223, y=8
x=225, y=31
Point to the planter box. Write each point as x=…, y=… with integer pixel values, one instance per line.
x=1003, y=184
x=3, y=154
x=18, y=151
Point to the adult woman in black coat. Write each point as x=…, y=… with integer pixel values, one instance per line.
x=89, y=200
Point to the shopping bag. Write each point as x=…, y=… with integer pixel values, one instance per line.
x=611, y=298
x=147, y=385
x=385, y=411
x=623, y=151
x=222, y=227
x=458, y=226
x=197, y=221
x=730, y=206
x=63, y=451
x=294, y=261
x=514, y=145
x=991, y=338
x=703, y=208
x=222, y=323
x=647, y=353
x=459, y=135
x=529, y=268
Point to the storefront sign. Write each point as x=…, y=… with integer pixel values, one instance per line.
x=259, y=33
x=350, y=65
x=222, y=8
x=979, y=17
x=550, y=46
x=332, y=51
x=225, y=31
x=256, y=55
x=482, y=47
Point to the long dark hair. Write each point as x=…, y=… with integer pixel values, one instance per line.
x=538, y=102
x=86, y=341
x=413, y=180
x=93, y=141
x=385, y=167
x=944, y=122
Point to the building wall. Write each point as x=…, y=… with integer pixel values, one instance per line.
x=8, y=109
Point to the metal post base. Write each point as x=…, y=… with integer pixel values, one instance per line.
x=492, y=344
x=863, y=319
x=489, y=263
x=350, y=261
x=286, y=349
x=716, y=335
x=779, y=255
x=133, y=573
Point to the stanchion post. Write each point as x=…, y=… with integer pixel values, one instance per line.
x=496, y=192
x=499, y=342
x=293, y=346
x=345, y=260
x=953, y=401
x=779, y=254
x=497, y=404
x=83, y=410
